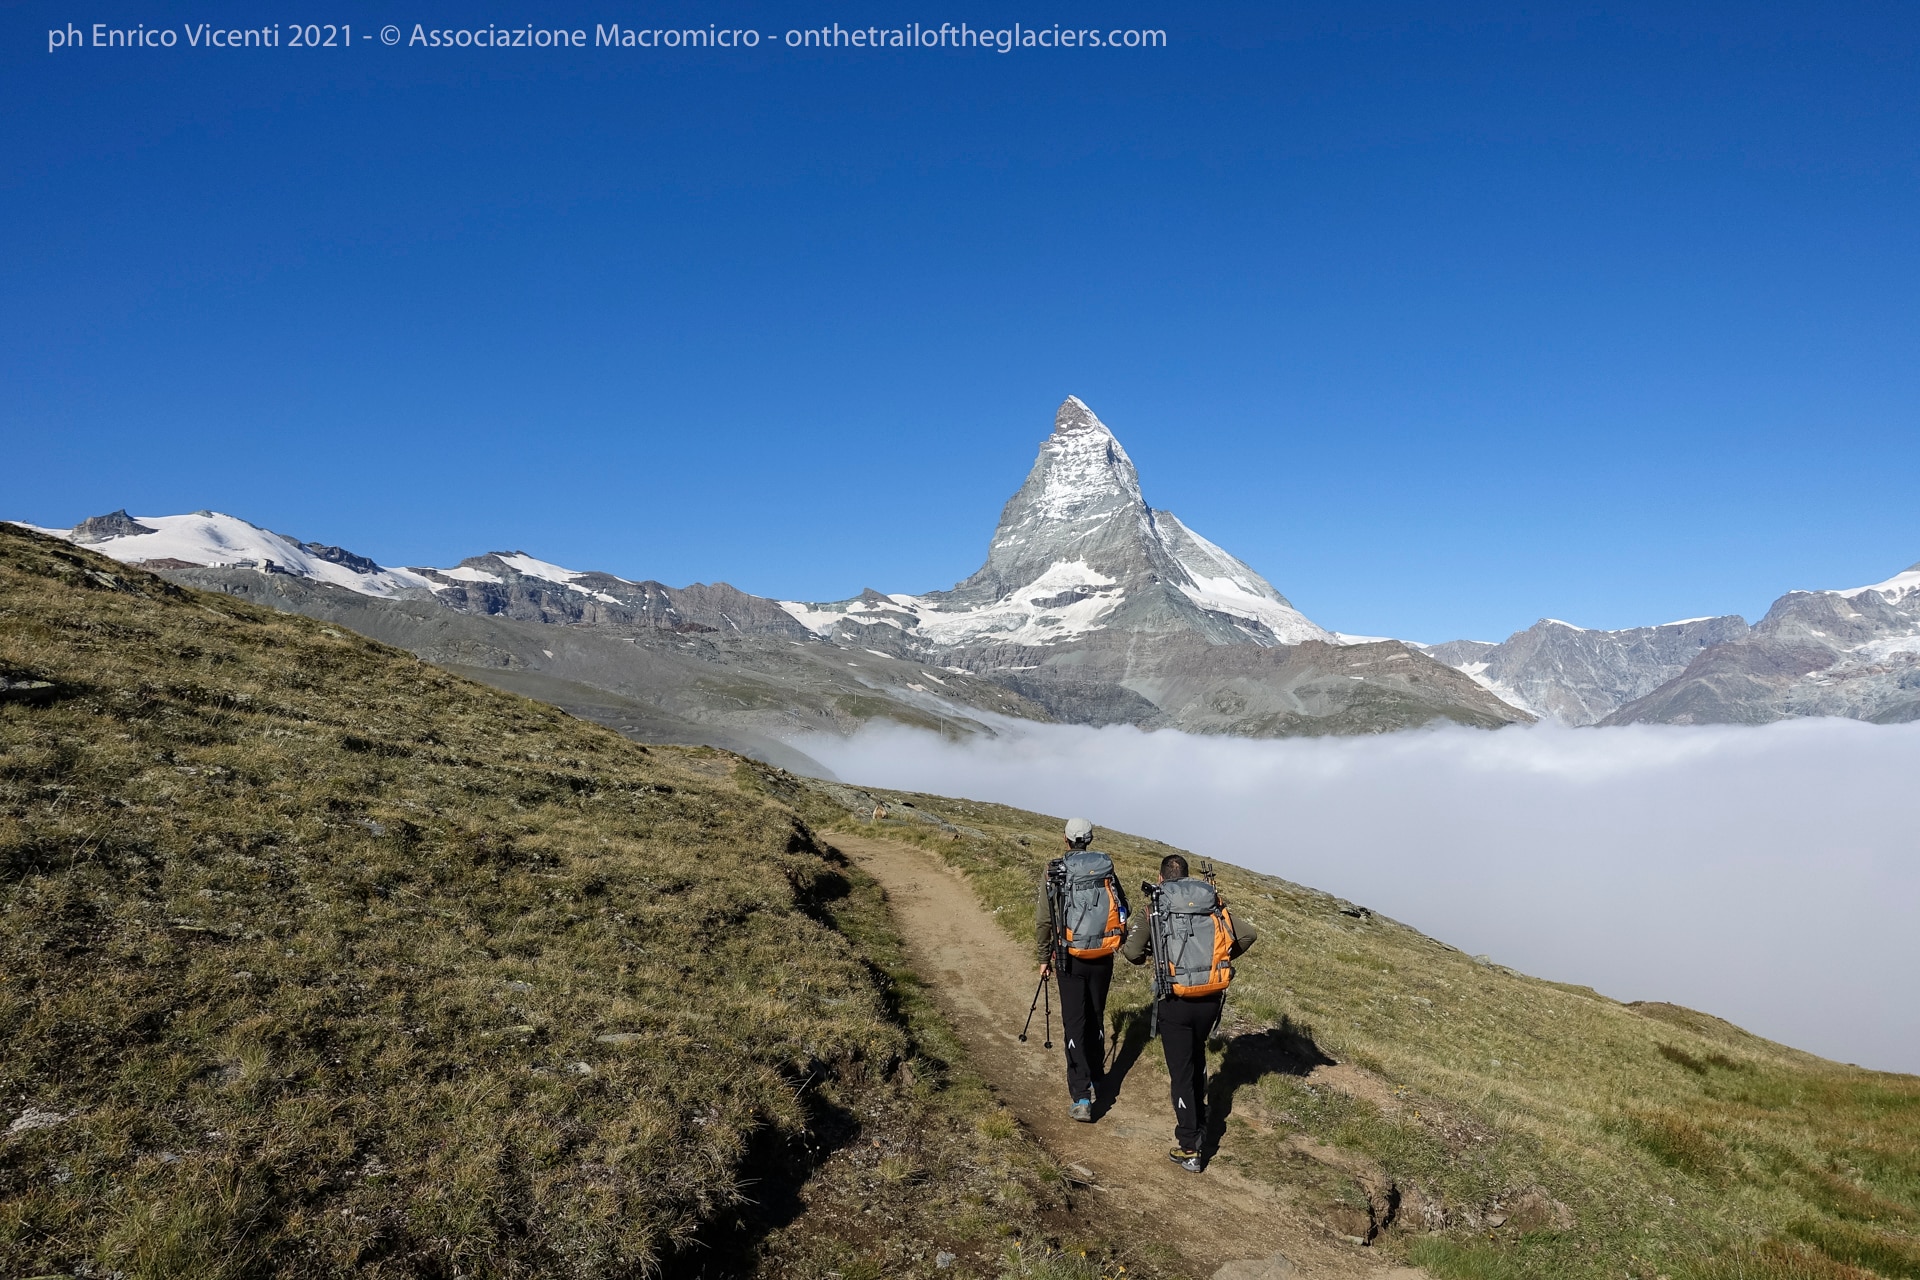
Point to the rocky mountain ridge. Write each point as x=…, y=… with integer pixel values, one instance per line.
x=1853, y=653
x=1092, y=607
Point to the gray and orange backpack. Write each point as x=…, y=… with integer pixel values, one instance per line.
x=1089, y=907
x=1192, y=940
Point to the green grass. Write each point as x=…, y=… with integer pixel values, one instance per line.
x=318, y=960
x=1678, y=1143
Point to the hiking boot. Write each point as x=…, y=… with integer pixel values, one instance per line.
x=1082, y=1111
x=1188, y=1160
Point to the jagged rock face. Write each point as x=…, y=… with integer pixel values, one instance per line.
x=341, y=556
x=1579, y=677
x=115, y=524
x=1817, y=653
x=513, y=584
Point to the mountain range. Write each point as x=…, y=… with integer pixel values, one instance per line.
x=1092, y=607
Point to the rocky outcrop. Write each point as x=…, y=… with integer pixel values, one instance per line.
x=115, y=524
x=1579, y=677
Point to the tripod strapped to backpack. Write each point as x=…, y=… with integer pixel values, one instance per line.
x=1192, y=938
x=1056, y=908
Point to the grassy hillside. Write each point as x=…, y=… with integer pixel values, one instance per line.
x=1482, y=1123
x=317, y=959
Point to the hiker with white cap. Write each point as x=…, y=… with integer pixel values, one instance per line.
x=1079, y=921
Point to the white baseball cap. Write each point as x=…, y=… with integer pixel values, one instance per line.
x=1078, y=828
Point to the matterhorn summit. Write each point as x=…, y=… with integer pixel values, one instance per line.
x=1079, y=529
x=1097, y=606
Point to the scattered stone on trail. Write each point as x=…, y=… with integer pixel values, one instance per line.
x=1275, y=1268
x=36, y=1118
x=943, y=1260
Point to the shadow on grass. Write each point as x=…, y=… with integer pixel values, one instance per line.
x=1288, y=1049
x=780, y=1163
x=1130, y=1036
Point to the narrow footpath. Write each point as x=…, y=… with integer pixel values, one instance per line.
x=1226, y=1225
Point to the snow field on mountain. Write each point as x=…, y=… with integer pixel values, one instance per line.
x=1765, y=874
x=210, y=538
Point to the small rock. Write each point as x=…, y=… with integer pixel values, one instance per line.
x=519, y=986
x=1275, y=1268
x=35, y=1118
x=581, y=1068
x=620, y=1037
x=943, y=1260
x=167, y=1157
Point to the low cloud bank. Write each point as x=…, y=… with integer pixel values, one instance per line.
x=1767, y=875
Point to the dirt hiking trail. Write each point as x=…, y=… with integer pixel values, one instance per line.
x=1229, y=1227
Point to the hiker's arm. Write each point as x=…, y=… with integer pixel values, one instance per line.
x=1042, y=926
x=1244, y=936
x=1135, y=947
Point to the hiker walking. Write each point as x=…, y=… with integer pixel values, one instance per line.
x=1080, y=917
x=1193, y=942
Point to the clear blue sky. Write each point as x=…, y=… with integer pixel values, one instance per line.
x=1445, y=322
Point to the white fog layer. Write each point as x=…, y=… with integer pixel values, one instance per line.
x=1766, y=875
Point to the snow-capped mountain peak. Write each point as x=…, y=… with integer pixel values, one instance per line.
x=1897, y=587
x=1078, y=551
x=215, y=540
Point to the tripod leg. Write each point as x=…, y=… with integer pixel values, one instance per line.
x=1030, y=1008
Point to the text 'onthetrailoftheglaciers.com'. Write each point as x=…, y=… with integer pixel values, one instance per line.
x=326, y=35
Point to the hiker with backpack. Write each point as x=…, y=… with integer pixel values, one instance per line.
x=1193, y=941
x=1080, y=918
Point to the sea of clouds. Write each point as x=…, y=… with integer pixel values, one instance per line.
x=1770, y=875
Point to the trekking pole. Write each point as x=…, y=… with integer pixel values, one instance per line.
x=1030, y=1008
x=1047, y=992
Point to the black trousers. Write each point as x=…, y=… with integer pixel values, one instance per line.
x=1083, y=1019
x=1184, y=1027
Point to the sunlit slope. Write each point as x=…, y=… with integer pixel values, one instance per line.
x=1485, y=1123
x=315, y=959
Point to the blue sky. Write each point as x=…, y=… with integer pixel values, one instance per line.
x=1445, y=322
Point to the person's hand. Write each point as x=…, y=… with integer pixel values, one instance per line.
x=1046, y=967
